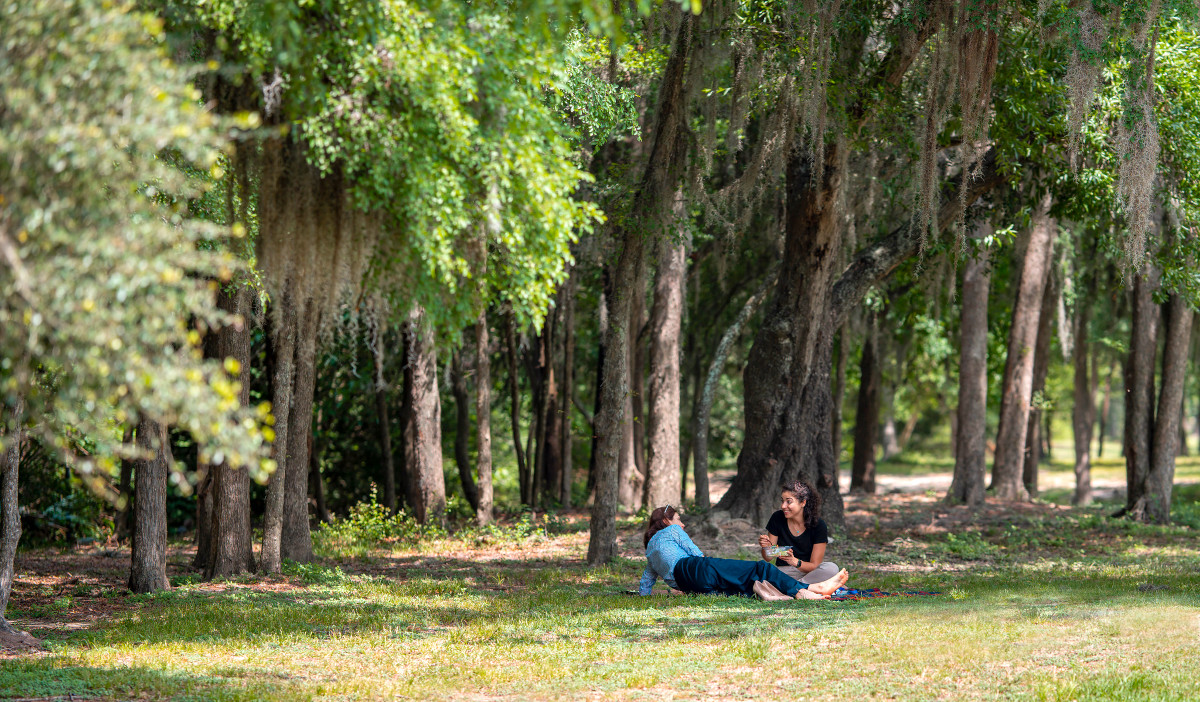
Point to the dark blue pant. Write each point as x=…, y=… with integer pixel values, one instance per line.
x=703, y=575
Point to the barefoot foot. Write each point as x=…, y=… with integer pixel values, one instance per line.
x=808, y=594
x=827, y=587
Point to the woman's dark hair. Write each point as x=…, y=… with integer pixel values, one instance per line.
x=811, y=498
x=658, y=522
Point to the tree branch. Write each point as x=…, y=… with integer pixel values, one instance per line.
x=875, y=261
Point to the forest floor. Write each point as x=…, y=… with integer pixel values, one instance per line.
x=1037, y=601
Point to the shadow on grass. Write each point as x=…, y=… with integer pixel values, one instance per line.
x=53, y=678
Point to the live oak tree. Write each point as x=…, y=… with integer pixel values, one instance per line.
x=105, y=289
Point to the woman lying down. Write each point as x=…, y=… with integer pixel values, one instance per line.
x=672, y=556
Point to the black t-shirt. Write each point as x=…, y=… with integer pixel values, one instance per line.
x=802, y=545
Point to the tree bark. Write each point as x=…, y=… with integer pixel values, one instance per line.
x=10, y=517
x=232, y=538
x=314, y=474
x=634, y=476
x=1154, y=501
x=1017, y=390
x=296, y=539
x=787, y=388
x=282, y=335
x=606, y=295
x=631, y=473
x=523, y=478
x=462, y=432
x=839, y=391
x=1041, y=363
x=866, y=419
x=1083, y=413
x=125, y=492
x=381, y=415
x=568, y=389
x=148, y=568
x=1182, y=448
x=483, y=419
x=970, y=455
x=423, y=433
x=664, y=165
x=204, y=515
x=1139, y=385
x=890, y=442
x=666, y=322
x=1105, y=408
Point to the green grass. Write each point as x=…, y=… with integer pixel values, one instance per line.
x=1053, y=604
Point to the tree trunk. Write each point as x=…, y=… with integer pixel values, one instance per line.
x=606, y=295
x=666, y=322
x=839, y=391
x=315, y=477
x=1105, y=407
x=704, y=402
x=10, y=518
x=664, y=167
x=381, y=414
x=296, y=539
x=282, y=334
x=483, y=419
x=1017, y=390
x=124, y=493
x=232, y=538
x=423, y=433
x=1154, y=501
x=1041, y=363
x=547, y=461
x=635, y=477
x=462, y=438
x=970, y=455
x=910, y=425
x=890, y=441
x=568, y=389
x=148, y=568
x=631, y=468
x=1083, y=414
x=515, y=409
x=204, y=514
x=1182, y=448
x=787, y=388
x=866, y=419
x=1139, y=385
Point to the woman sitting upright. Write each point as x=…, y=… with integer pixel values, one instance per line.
x=672, y=556
x=798, y=525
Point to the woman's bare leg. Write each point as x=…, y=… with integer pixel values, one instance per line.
x=827, y=587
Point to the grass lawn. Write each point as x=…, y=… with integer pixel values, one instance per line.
x=1038, y=602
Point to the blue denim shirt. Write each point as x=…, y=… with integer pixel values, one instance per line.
x=666, y=548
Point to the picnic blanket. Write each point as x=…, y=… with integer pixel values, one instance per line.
x=845, y=594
